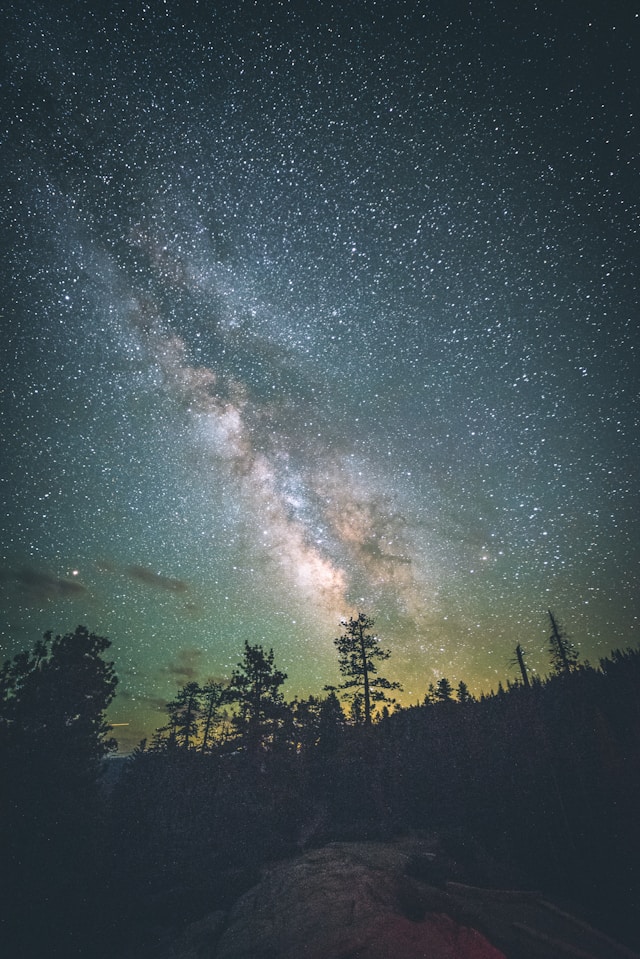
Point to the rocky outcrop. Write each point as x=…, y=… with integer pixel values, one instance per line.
x=386, y=901
x=346, y=900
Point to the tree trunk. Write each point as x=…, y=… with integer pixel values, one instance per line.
x=556, y=635
x=521, y=664
x=365, y=675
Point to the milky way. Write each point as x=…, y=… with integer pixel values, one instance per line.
x=315, y=311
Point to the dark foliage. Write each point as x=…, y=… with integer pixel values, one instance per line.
x=359, y=654
x=255, y=687
x=543, y=782
x=562, y=653
x=546, y=778
x=536, y=785
x=53, y=737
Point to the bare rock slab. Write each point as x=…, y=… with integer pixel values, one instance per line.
x=345, y=900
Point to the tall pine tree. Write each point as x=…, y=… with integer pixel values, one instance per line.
x=255, y=686
x=359, y=653
x=563, y=654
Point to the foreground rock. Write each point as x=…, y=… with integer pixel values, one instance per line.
x=386, y=901
x=344, y=900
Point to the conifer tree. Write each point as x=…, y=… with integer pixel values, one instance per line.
x=430, y=696
x=444, y=691
x=214, y=695
x=54, y=736
x=331, y=721
x=183, y=712
x=255, y=686
x=359, y=653
x=53, y=700
x=519, y=661
x=563, y=654
x=462, y=693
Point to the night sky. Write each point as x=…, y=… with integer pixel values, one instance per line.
x=312, y=308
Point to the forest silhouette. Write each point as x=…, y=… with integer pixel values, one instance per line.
x=536, y=785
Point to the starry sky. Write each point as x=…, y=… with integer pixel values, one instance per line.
x=311, y=308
